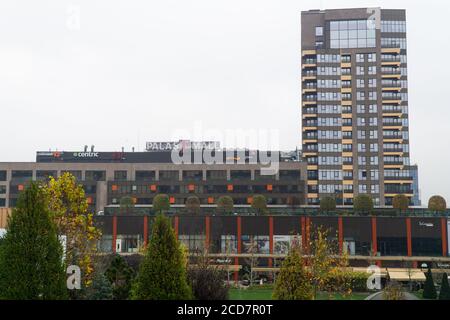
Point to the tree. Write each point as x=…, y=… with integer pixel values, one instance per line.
x=327, y=264
x=193, y=205
x=327, y=204
x=161, y=203
x=437, y=204
x=444, y=294
x=120, y=275
x=126, y=204
x=400, y=202
x=363, y=203
x=293, y=281
x=259, y=203
x=225, y=204
x=207, y=281
x=393, y=291
x=31, y=266
x=69, y=207
x=429, y=290
x=101, y=288
x=162, y=273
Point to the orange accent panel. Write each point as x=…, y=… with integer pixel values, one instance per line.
x=341, y=234
x=408, y=237
x=269, y=187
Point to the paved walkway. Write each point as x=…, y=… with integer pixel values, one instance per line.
x=379, y=296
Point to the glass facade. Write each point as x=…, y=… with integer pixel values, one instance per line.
x=352, y=34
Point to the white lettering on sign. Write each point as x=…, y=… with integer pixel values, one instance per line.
x=85, y=154
x=181, y=145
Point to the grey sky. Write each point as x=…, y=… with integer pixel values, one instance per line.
x=140, y=70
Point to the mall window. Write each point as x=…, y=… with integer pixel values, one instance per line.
x=44, y=175
x=93, y=175
x=128, y=243
x=76, y=173
x=169, y=175
x=256, y=244
x=195, y=175
x=2, y=202
x=241, y=174
x=2, y=175
x=194, y=242
x=22, y=175
x=120, y=175
x=145, y=175
x=216, y=174
x=105, y=244
x=2, y=189
x=228, y=244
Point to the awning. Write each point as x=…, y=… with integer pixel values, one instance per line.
x=406, y=275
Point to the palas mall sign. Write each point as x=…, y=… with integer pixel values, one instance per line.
x=182, y=145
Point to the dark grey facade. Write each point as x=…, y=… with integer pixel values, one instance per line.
x=107, y=177
x=355, y=104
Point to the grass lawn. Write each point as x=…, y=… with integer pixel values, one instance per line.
x=266, y=294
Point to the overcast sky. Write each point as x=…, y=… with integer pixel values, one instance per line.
x=116, y=74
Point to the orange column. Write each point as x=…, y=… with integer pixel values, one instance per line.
x=444, y=236
x=303, y=230
x=239, y=247
x=375, y=239
x=271, y=240
x=409, y=240
x=207, y=232
x=114, y=233
x=341, y=234
x=145, y=231
x=408, y=237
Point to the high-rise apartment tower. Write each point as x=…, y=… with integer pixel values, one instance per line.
x=355, y=104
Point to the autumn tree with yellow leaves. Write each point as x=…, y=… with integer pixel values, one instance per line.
x=70, y=210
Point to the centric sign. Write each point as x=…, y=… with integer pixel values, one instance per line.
x=85, y=154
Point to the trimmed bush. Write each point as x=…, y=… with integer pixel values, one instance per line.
x=225, y=204
x=193, y=205
x=327, y=204
x=400, y=202
x=437, y=204
x=161, y=203
x=259, y=203
x=363, y=203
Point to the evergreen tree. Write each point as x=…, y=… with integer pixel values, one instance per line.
x=120, y=275
x=293, y=281
x=429, y=290
x=100, y=289
x=444, y=294
x=162, y=273
x=31, y=266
